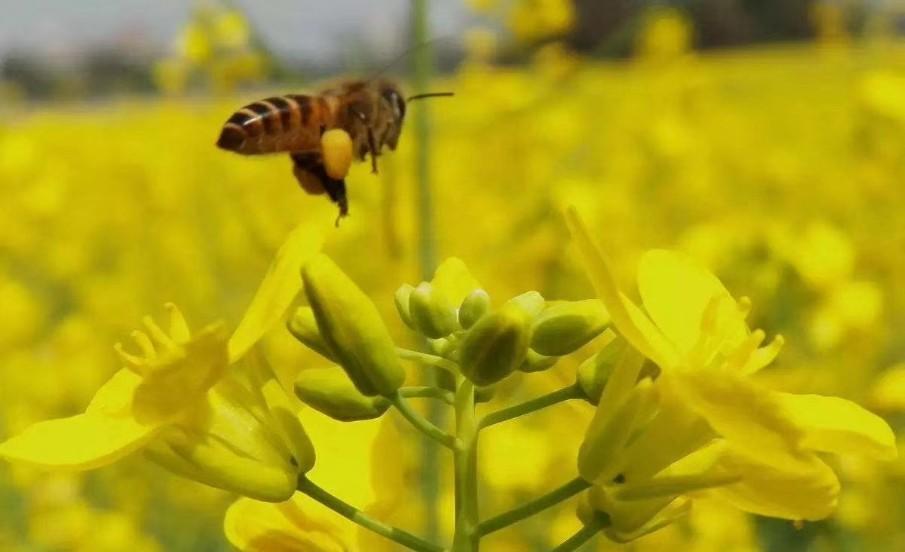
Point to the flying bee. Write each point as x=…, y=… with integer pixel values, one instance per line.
x=322, y=133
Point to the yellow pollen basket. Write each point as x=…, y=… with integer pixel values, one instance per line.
x=336, y=147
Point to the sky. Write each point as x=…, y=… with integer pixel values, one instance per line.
x=296, y=29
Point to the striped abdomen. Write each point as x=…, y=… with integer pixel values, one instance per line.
x=282, y=123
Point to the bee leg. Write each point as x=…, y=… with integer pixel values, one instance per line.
x=312, y=176
x=372, y=146
x=303, y=167
x=372, y=142
x=336, y=190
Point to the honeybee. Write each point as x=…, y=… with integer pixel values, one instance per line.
x=369, y=112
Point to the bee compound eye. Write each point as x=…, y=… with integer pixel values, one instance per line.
x=396, y=102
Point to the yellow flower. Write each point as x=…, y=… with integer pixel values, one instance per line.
x=297, y=525
x=694, y=330
x=189, y=401
x=666, y=33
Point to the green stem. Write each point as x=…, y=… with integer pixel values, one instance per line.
x=427, y=392
x=537, y=505
x=428, y=360
x=422, y=67
x=465, y=460
x=582, y=536
x=355, y=515
x=420, y=423
x=558, y=396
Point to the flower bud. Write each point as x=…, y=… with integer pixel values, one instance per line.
x=303, y=327
x=431, y=313
x=329, y=391
x=530, y=302
x=594, y=372
x=401, y=298
x=352, y=328
x=484, y=393
x=566, y=326
x=536, y=362
x=475, y=305
x=495, y=346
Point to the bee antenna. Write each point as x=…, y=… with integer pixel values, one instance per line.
x=430, y=95
x=408, y=51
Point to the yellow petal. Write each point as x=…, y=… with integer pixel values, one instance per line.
x=115, y=397
x=81, y=442
x=182, y=378
x=750, y=417
x=676, y=292
x=801, y=489
x=299, y=524
x=833, y=424
x=674, y=432
x=631, y=322
x=279, y=287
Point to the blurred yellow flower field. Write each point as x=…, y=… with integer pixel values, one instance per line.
x=779, y=169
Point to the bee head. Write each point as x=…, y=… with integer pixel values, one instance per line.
x=393, y=97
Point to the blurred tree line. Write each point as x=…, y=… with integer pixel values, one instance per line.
x=608, y=27
x=217, y=49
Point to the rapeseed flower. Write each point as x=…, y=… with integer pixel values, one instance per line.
x=196, y=403
x=758, y=448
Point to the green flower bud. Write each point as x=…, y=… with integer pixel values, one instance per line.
x=303, y=327
x=475, y=305
x=495, y=346
x=594, y=372
x=330, y=391
x=536, y=362
x=530, y=302
x=431, y=312
x=566, y=326
x=352, y=328
x=402, y=304
x=484, y=393
x=441, y=347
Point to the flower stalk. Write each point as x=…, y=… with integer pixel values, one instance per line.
x=516, y=411
x=466, y=469
x=358, y=517
x=554, y=497
x=422, y=424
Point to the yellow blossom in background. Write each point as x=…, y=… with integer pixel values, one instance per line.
x=537, y=19
x=666, y=33
x=215, y=45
